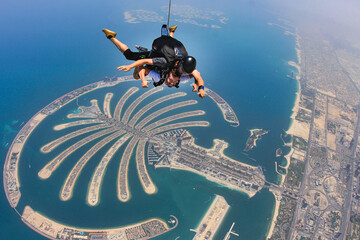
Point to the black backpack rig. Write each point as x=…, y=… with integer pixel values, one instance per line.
x=172, y=50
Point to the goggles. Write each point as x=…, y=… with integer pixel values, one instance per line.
x=174, y=81
x=179, y=69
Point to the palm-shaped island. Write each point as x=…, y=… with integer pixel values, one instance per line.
x=161, y=134
x=127, y=128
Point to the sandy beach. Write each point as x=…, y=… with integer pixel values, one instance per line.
x=294, y=110
x=179, y=166
x=276, y=213
x=294, y=64
x=212, y=219
x=287, y=157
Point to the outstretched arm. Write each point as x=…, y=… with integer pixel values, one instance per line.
x=142, y=73
x=198, y=82
x=137, y=63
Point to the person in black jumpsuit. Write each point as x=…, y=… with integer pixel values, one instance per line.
x=167, y=55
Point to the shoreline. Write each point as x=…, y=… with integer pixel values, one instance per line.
x=10, y=171
x=252, y=133
x=213, y=218
x=275, y=215
x=255, y=135
x=290, y=131
x=36, y=221
x=211, y=179
x=247, y=190
x=228, y=113
x=151, y=189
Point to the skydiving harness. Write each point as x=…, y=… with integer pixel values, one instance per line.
x=163, y=74
x=169, y=48
x=172, y=50
x=165, y=71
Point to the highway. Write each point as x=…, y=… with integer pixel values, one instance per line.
x=304, y=181
x=348, y=199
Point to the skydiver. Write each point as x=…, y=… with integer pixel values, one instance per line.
x=171, y=80
x=168, y=58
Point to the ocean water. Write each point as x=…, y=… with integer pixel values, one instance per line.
x=52, y=48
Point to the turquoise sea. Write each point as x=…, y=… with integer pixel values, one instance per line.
x=49, y=49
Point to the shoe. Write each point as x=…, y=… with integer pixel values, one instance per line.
x=173, y=28
x=109, y=34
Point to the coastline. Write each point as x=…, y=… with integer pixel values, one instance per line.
x=140, y=160
x=291, y=130
x=255, y=135
x=293, y=124
x=275, y=215
x=212, y=219
x=228, y=113
x=10, y=172
x=50, y=228
x=181, y=167
x=252, y=133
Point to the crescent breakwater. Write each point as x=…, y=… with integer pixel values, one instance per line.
x=54, y=230
x=228, y=113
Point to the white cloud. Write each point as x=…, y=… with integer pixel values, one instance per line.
x=129, y=18
x=215, y=26
x=216, y=13
x=223, y=20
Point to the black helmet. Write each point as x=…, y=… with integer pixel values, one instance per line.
x=188, y=63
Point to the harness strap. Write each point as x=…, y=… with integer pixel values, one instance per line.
x=163, y=73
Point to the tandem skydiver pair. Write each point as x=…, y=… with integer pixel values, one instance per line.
x=166, y=63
